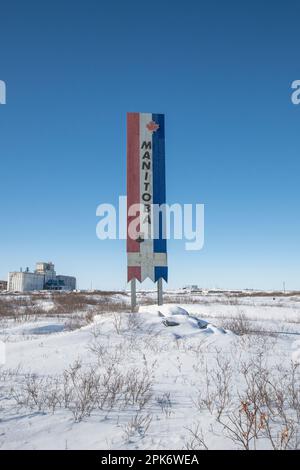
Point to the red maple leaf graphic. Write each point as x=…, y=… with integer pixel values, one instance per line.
x=152, y=126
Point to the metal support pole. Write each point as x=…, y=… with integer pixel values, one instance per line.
x=160, y=291
x=133, y=294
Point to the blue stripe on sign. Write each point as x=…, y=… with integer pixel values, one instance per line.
x=159, y=176
x=160, y=271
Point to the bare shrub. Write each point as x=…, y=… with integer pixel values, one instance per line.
x=9, y=374
x=137, y=388
x=111, y=389
x=138, y=425
x=108, y=305
x=69, y=302
x=41, y=393
x=85, y=389
x=233, y=301
x=243, y=425
x=254, y=421
x=240, y=325
x=293, y=388
x=134, y=322
x=100, y=350
x=19, y=308
x=106, y=356
x=89, y=389
x=196, y=439
x=117, y=323
x=26, y=305
x=85, y=385
x=164, y=401
x=216, y=394
x=266, y=410
x=5, y=308
x=76, y=321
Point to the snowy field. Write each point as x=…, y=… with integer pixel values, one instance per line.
x=219, y=370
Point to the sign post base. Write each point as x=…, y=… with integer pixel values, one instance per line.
x=133, y=294
x=160, y=291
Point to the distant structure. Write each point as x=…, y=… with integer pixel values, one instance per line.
x=3, y=285
x=43, y=278
x=192, y=288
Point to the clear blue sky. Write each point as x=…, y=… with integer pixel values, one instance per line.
x=220, y=71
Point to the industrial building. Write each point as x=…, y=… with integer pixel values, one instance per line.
x=43, y=278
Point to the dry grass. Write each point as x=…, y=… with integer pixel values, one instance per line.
x=59, y=303
x=83, y=390
x=263, y=411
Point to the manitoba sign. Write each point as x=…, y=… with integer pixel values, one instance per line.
x=146, y=187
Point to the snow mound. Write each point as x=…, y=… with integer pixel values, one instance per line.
x=178, y=320
x=170, y=310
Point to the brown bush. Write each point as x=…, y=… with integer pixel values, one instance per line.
x=21, y=306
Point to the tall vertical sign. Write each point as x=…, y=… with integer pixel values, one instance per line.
x=146, y=186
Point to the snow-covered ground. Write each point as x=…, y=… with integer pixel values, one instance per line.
x=185, y=375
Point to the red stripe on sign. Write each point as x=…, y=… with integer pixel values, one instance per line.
x=134, y=272
x=133, y=172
